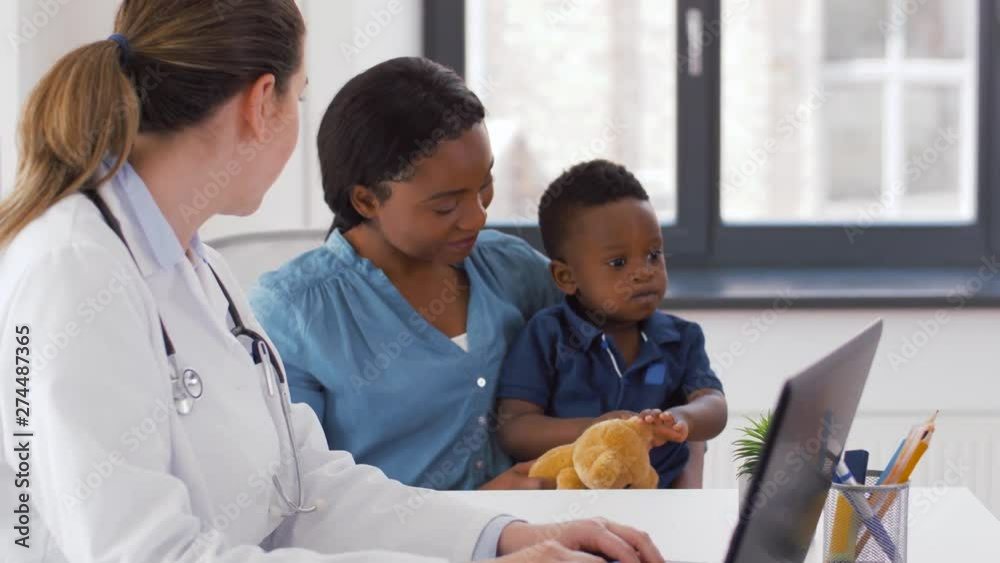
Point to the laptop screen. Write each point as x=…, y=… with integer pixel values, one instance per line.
x=807, y=436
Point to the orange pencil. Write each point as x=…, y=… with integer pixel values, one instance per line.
x=903, y=468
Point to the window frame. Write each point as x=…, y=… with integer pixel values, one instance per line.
x=699, y=238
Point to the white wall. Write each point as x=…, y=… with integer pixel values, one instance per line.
x=35, y=34
x=345, y=37
x=922, y=365
x=9, y=29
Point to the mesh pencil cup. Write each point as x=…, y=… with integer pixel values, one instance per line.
x=846, y=539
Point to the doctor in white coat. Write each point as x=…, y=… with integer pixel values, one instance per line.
x=144, y=413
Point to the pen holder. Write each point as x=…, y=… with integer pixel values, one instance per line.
x=845, y=537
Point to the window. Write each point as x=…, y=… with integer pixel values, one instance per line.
x=778, y=133
x=844, y=111
x=565, y=82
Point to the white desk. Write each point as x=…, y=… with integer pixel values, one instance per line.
x=946, y=524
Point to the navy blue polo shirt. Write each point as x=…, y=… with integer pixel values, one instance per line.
x=562, y=362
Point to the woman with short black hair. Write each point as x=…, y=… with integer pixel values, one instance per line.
x=394, y=329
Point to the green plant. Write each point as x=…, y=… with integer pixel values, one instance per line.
x=750, y=445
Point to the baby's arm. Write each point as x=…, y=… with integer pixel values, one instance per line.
x=525, y=432
x=705, y=413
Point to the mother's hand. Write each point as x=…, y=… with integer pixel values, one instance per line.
x=597, y=535
x=517, y=478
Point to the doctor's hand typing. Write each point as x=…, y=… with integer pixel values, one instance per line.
x=578, y=541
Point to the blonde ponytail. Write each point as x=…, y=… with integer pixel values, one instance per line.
x=83, y=110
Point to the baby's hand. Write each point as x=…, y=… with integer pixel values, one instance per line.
x=666, y=426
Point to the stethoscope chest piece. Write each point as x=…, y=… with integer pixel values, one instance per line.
x=192, y=384
x=188, y=387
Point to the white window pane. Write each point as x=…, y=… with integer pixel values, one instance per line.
x=851, y=28
x=807, y=138
x=933, y=148
x=936, y=28
x=565, y=82
x=851, y=122
x=771, y=93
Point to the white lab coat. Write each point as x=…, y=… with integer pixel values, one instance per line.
x=116, y=474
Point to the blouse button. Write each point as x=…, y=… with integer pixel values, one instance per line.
x=480, y=464
x=481, y=382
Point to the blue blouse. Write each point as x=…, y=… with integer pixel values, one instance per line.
x=388, y=386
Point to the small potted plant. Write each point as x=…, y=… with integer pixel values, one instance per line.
x=748, y=448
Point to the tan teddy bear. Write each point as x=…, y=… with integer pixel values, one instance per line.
x=613, y=454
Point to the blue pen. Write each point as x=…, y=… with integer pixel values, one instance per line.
x=865, y=512
x=892, y=462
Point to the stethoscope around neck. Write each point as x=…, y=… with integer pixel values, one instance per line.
x=187, y=386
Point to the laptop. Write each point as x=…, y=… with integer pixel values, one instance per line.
x=807, y=436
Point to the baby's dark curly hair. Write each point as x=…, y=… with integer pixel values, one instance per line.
x=588, y=184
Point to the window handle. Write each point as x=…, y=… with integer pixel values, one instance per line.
x=695, y=47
